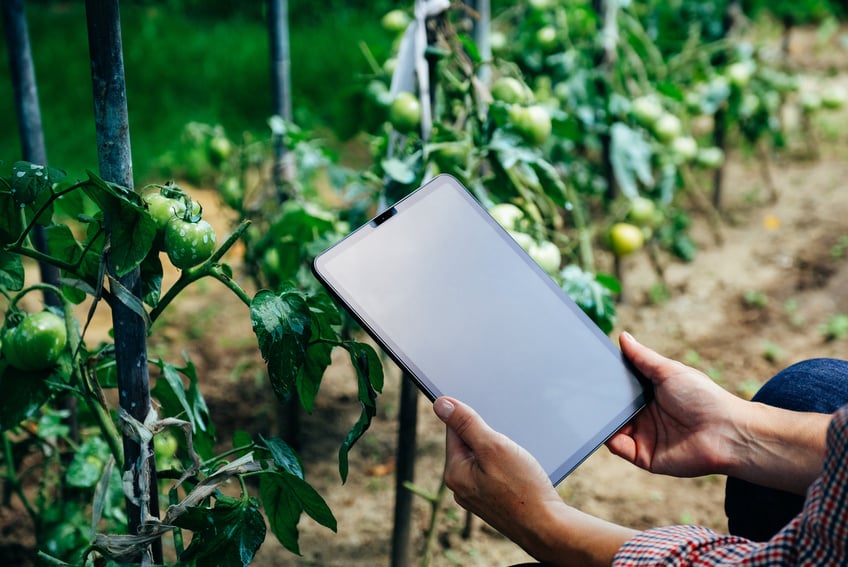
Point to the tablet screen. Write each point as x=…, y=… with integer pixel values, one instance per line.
x=457, y=303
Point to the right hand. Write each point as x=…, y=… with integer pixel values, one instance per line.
x=688, y=428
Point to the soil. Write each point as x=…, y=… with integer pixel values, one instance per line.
x=748, y=305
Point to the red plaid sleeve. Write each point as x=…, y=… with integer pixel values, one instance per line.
x=818, y=536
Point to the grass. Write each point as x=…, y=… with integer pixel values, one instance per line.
x=181, y=69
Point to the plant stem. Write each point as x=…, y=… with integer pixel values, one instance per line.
x=14, y=482
x=584, y=236
x=209, y=268
x=436, y=506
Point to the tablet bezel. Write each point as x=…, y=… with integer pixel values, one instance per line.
x=403, y=360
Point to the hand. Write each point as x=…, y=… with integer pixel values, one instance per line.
x=491, y=475
x=688, y=429
x=499, y=481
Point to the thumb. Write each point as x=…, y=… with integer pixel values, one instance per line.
x=465, y=426
x=653, y=366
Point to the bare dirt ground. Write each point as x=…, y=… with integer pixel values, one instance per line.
x=742, y=310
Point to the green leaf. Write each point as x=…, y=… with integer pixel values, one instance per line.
x=284, y=497
x=369, y=374
x=23, y=394
x=87, y=465
x=630, y=156
x=186, y=403
x=593, y=294
x=29, y=181
x=11, y=226
x=132, y=228
x=151, y=278
x=282, y=324
x=318, y=358
x=284, y=456
x=11, y=271
x=398, y=170
x=228, y=534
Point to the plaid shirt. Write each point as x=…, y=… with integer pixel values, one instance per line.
x=818, y=536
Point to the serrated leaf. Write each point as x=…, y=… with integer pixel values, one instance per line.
x=369, y=374
x=282, y=324
x=12, y=274
x=87, y=465
x=284, y=456
x=23, y=394
x=228, y=534
x=151, y=274
x=29, y=181
x=11, y=226
x=285, y=497
x=186, y=403
x=630, y=157
x=132, y=228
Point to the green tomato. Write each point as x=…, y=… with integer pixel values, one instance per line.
x=36, y=342
x=509, y=90
x=642, y=211
x=189, y=243
x=646, y=110
x=523, y=239
x=220, y=149
x=533, y=122
x=685, y=147
x=667, y=127
x=163, y=208
x=498, y=41
x=834, y=97
x=507, y=215
x=405, y=112
x=547, y=255
x=395, y=21
x=739, y=73
x=546, y=37
x=625, y=238
x=711, y=157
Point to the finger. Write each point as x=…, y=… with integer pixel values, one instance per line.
x=654, y=366
x=622, y=445
x=464, y=421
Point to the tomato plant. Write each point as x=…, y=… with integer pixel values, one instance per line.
x=45, y=357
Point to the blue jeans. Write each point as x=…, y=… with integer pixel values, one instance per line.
x=817, y=385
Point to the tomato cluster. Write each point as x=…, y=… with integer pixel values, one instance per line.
x=182, y=233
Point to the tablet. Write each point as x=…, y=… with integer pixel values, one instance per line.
x=460, y=306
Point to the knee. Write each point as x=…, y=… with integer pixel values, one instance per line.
x=818, y=385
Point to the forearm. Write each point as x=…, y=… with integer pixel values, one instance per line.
x=567, y=537
x=778, y=448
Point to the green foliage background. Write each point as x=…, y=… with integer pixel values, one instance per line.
x=190, y=60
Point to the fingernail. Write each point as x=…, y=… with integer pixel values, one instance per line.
x=443, y=408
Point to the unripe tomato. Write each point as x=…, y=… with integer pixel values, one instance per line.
x=739, y=73
x=546, y=37
x=395, y=21
x=533, y=122
x=642, y=211
x=220, y=149
x=647, y=110
x=189, y=243
x=498, y=41
x=625, y=238
x=685, y=147
x=667, y=127
x=405, y=112
x=834, y=97
x=711, y=157
x=163, y=208
x=36, y=342
x=547, y=255
x=523, y=239
x=507, y=215
x=509, y=90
